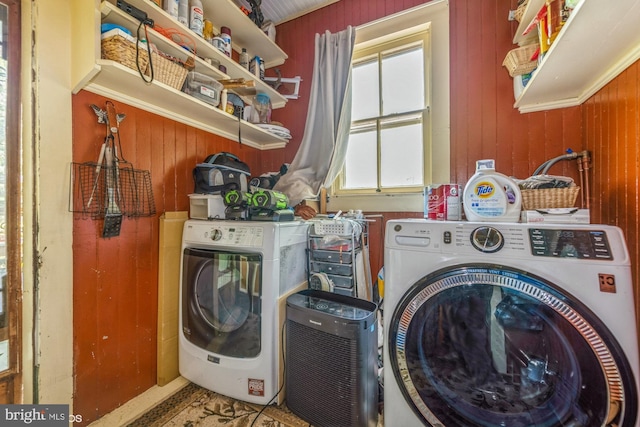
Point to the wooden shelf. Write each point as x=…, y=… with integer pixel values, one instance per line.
x=530, y=12
x=113, y=15
x=244, y=33
x=111, y=79
x=599, y=41
x=223, y=13
x=122, y=83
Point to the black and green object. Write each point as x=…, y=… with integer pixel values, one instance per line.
x=236, y=198
x=268, y=200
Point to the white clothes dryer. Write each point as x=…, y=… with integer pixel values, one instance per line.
x=512, y=325
x=235, y=277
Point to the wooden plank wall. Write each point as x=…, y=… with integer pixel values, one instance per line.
x=115, y=280
x=612, y=133
x=484, y=123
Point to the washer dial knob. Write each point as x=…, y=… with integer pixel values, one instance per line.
x=487, y=239
x=216, y=234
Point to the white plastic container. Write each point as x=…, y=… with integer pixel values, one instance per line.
x=183, y=12
x=206, y=206
x=171, y=6
x=244, y=59
x=203, y=87
x=490, y=196
x=225, y=33
x=256, y=67
x=196, y=17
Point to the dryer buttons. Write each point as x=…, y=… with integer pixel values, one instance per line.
x=446, y=237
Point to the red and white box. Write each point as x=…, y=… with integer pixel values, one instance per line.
x=442, y=202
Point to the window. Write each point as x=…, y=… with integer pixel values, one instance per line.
x=389, y=130
x=399, y=137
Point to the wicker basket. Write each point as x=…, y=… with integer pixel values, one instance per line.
x=549, y=198
x=166, y=71
x=518, y=61
x=118, y=48
x=520, y=10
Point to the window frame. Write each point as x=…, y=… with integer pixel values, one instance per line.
x=376, y=53
x=434, y=17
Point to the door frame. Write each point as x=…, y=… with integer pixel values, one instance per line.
x=11, y=379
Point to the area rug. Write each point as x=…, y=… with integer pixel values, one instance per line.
x=195, y=406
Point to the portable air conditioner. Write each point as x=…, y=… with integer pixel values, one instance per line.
x=331, y=359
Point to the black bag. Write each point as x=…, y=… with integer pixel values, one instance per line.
x=220, y=172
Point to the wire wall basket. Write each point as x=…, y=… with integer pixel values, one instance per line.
x=97, y=190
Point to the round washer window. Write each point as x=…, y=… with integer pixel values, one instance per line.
x=221, y=307
x=220, y=302
x=479, y=345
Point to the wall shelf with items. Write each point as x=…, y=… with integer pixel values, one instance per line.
x=114, y=80
x=531, y=9
x=112, y=14
x=223, y=13
x=165, y=101
x=599, y=41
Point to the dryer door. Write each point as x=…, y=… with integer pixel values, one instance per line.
x=221, y=310
x=484, y=345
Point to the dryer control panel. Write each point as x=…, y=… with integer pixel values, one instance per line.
x=568, y=243
x=223, y=234
x=236, y=235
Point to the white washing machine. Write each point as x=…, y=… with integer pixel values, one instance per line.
x=235, y=277
x=508, y=325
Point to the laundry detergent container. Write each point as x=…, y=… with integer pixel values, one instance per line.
x=491, y=196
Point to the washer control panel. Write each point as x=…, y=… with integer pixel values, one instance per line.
x=568, y=243
x=535, y=241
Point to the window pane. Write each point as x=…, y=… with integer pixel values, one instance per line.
x=365, y=91
x=361, y=165
x=403, y=82
x=401, y=156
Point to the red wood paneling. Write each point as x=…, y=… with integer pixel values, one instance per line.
x=115, y=280
x=612, y=133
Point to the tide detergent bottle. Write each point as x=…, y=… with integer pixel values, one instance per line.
x=491, y=196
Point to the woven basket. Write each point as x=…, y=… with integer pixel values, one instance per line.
x=520, y=10
x=549, y=198
x=119, y=49
x=518, y=61
x=166, y=71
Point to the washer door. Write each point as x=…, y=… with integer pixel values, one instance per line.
x=221, y=301
x=486, y=345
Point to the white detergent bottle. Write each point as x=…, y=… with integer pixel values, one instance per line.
x=491, y=196
x=196, y=17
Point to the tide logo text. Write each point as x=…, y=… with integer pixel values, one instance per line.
x=484, y=189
